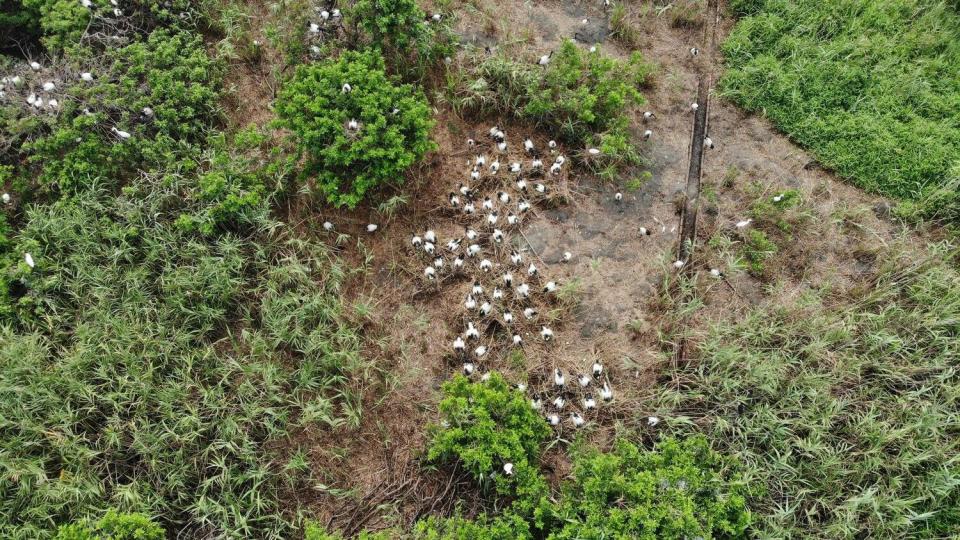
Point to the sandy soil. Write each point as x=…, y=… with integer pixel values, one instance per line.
x=617, y=317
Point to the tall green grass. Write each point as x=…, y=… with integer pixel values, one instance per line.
x=151, y=368
x=847, y=410
x=872, y=88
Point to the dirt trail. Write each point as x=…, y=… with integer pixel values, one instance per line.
x=619, y=269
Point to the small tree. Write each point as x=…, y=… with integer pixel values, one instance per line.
x=392, y=124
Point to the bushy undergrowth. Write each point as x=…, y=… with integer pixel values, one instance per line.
x=408, y=38
x=392, y=128
x=677, y=490
x=872, y=88
x=580, y=96
x=846, y=411
x=113, y=526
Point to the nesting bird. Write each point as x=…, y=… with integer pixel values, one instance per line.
x=545, y=59
x=647, y=134
x=708, y=142
x=606, y=393
x=648, y=115
x=546, y=333
x=558, y=379
x=372, y=227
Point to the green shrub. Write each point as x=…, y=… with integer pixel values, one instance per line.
x=113, y=526
x=757, y=248
x=677, y=490
x=314, y=531
x=61, y=22
x=582, y=96
x=871, y=88
x=346, y=163
x=169, y=72
x=939, y=205
x=844, y=407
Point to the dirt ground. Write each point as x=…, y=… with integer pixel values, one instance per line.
x=372, y=476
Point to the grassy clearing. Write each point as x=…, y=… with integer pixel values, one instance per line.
x=872, y=88
x=847, y=412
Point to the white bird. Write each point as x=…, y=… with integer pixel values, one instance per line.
x=325, y=15
x=86, y=3
x=346, y=88
x=459, y=345
x=647, y=134
x=559, y=402
x=555, y=169
x=495, y=167
x=371, y=227
x=517, y=340
x=678, y=264
x=567, y=256
x=35, y=66
x=516, y=258
x=554, y=420
x=648, y=115
x=508, y=469
x=512, y=219
x=469, y=208
x=540, y=188
x=481, y=160
x=532, y=270
x=31, y=99
x=744, y=223
x=528, y=145
x=508, y=279
x=6, y=198
x=644, y=231
x=314, y=28
x=618, y=196
x=454, y=200
x=515, y=167
x=453, y=245
x=550, y=287
x=468, y=368
x=430, y=236
x=497, y=293
x=471, y=234
x=522, y=184
x=606, y=393
x=715, y=272
x=28, y=259
x=487, y=203
x=523, y=206
x=458, y=262
x=416, y=240
x=558, y=378
x=503, y=196
x=497, y=235
x=472, y=332
x=53, y=104
x=583, y=380
x=486, y=265
x=597, y=369
x=536, y=403
x=560, y=159
x=470, y=303
x=652, y=421
x=429, y=272
x=529, y=313
x=545, y=59
x=708, y=142
x=589, y=403
x=471, y=142
x=593, y=151
x=465, y=190
x=429, y=248
x=778, y=198
x=121, y=134
x=577, y=419
x=477, y=288
x=552, y=144
x=502, y=146
x=546, y=333
x=694, y=51
x=49, y=86
x=492, y=218
x=507, y=317
x=522, y=387
x=480, y=351
x=523, y=290
x=694, y=106
x=536, y=164
x=473, y=250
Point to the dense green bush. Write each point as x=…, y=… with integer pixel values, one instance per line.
x=346, y=164
x=401, y=31
x=113, y=526
x=677, y=490
x=169, y=73
x=583, y=97
x=872, y=88
x=843, y=406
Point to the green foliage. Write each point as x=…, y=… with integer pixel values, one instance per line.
x=582, y=96
x=169, y=72
x=939, y=205
x=872, y=88
x=346, y=163
x=401, y=31
x=486, y=425
x=843, y=408
x=113, y=526
x=152, y=370
x=18, y=23
x=677, y=490
x=61, y=22
x=314, y=531
x=757, y=248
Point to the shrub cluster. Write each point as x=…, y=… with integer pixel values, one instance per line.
x=113, y=526
x=392, y=128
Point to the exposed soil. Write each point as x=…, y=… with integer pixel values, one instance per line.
x=617, y=315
